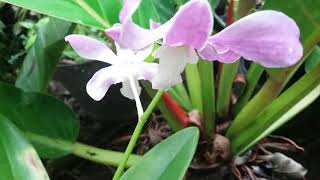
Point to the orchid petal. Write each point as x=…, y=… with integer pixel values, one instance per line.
x=90, y=48
x=129, y=7
x=211, y=52
x=128, y=55
x=192, y=25
x=135, y=37
x=114, y=32
x=267, y=37
x=126, y=89
x=185, y=28
x=99, y=84
x=153, y=24
x=171, y=65
x=146, y=71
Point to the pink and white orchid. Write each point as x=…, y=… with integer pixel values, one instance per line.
x=182, y=35
x=269, y=38
x=126, y=67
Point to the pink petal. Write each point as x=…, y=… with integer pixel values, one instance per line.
x=129, y=7
x=99, y=84
x=153, y=24
x=212, y=53
x=89, y=48
x=185, y=28
x=267, y=37
x=146, y=71
x=135, y=37
x=114, y=32
x=192, y=25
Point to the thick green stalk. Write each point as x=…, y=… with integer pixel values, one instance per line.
x=252, y=77
x=194, y=86
x=228, y=74
x=136, y=134
x=88, y=152
x=208, y=95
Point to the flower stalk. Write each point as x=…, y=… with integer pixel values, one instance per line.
x=135, y=136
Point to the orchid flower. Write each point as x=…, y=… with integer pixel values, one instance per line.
x=182, y=35
x=269, y=38
x=126, y=67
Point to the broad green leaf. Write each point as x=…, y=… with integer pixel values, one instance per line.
x=157, y=10
x=213, y=3
x=307, y=16
x=313, y=59
x=100, y=14
x=39, y=114
x=167, y=160
x=39, y=65
x=282, y=109
x=18, y=159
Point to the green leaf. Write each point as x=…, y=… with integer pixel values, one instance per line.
x=252, y=78
x=213, y=3
x=167, y=160
x=283, y=109
x=39, y=114
x=18, y=159
x=95, y=13
x=313, y=59
x=39, y=65
x=228, y=74
x=157, y=10
x=208, y=95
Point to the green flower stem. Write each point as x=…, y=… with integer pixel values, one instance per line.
x=102, y=156
x=88, y=152
x=136, y=134
x=252, y=77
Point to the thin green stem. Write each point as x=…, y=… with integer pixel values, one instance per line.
x=102, y=156
x=252, y=77
x=88, y=152
x=136, y=134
